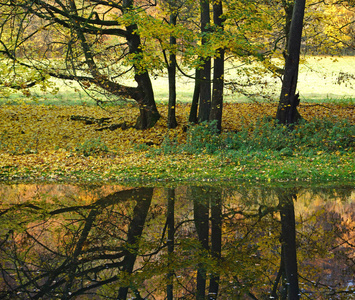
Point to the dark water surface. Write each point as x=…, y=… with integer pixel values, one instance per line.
x=187, y=242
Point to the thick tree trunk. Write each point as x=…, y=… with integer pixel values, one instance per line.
x=205, y=87
x=172, y=123
x=218, y=73
x=149, y=114
x=143, y=94
x=287, y=110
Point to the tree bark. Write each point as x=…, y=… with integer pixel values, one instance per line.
x=205, y=87
x=218, y=73
x=287, y=109
x=149, y=114
x=195, y=98
x=172, y=123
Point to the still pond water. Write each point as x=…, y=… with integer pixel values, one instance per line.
x=186, y=242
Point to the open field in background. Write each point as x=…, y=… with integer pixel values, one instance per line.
x=329, y=79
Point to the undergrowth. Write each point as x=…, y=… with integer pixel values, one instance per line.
x=308, y=137
x=92, y=147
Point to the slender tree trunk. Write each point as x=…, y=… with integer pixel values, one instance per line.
x=195, y=98
x=288, y=240
x=287, y=109
x=172, y=123
x=205, y=87
x=218, y=73
x=149, y=114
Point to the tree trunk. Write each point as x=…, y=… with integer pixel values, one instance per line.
x=149, y=114
x=172, y=123
x=287, y=109
x=218, y=73
x=195, y=98
x=205, y=87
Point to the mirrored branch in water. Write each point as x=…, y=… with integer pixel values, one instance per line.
x=182, y=242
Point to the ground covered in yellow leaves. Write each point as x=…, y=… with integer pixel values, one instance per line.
x=48, y=143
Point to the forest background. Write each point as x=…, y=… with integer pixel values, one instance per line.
x=111, y=51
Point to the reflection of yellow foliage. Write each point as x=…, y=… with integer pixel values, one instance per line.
x=55, y=193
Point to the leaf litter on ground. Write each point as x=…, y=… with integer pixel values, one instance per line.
x=39, y=142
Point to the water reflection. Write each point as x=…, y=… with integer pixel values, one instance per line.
x=111, y=242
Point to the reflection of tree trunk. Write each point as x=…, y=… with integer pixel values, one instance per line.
x=216, y=239
x=281, y=277
x=73, y=261
x=66, y=273
x=201, y=214
x=134, y=233
x=171, y=231
x=288, y=240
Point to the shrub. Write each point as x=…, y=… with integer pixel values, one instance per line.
x=203, y=138
x=265, y=136
x=326, y=134
x=92, y=147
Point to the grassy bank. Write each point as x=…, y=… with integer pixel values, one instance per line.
x=43, y=143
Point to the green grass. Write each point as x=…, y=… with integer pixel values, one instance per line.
x=318, y=82
x=319, y=151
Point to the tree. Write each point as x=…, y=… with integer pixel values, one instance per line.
x=205, y=68
x=172, y=123
x=96, y=42
x=218, y=72
x=173, y=8
x=287, y=110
